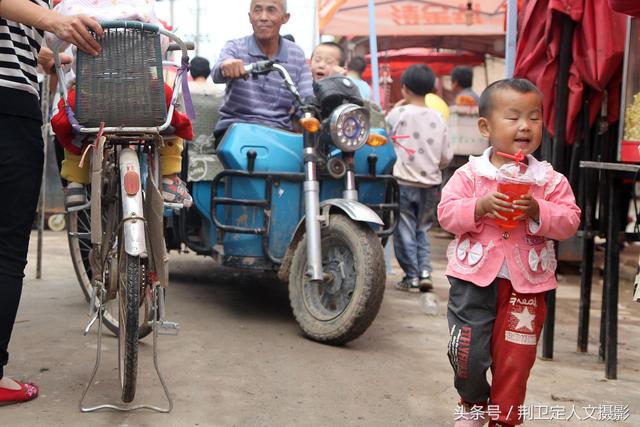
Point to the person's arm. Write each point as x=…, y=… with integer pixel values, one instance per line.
x=228, y=66
x=72, y=29
x=446, y=155
x=456, y=210
x=559, y=216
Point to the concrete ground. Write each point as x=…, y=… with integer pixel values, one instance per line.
x=240, y=359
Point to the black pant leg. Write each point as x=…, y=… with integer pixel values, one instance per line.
x=21, y=163
x=471, y=313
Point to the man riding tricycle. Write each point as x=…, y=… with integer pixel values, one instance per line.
x=312, y=206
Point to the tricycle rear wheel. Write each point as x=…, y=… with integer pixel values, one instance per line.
x=340, y=310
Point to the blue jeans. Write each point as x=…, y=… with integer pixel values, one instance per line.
x=410, y=241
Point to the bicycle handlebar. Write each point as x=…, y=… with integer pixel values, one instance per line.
x=175, y=46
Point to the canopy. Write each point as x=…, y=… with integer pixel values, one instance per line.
x=440, y=62
x=433, y=23
x=394, y=62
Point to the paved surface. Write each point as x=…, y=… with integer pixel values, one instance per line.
x=240, y=359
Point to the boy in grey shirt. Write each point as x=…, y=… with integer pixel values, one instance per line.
x=422, y=151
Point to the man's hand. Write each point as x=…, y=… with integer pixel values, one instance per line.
x=45, y=59
x=492, y=204
x=74, y=29
x=232, y=69
x=529, y=207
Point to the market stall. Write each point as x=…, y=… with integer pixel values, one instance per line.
x=475, y=26
x=562, y=49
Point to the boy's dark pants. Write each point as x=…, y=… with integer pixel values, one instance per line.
x=21, y=164
x=493, y=327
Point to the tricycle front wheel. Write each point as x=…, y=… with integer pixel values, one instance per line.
x=341, y=309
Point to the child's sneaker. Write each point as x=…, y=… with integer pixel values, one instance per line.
x=408, y=284
x=75, y=195
x=425, y=283
x=174, y=190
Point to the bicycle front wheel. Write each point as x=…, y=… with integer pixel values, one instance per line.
x=130, y=281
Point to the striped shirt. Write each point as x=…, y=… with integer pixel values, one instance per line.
x=19, y=46
x=263, y=100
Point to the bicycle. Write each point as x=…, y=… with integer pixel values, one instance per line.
x=116, y=238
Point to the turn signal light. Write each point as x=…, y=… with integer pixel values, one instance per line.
x=310, y=124
x=376, y=140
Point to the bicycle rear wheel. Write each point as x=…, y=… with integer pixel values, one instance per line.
x=130, y=281
x=79, y=238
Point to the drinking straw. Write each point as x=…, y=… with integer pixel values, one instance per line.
x=518, y=157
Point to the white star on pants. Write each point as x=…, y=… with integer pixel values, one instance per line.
x=525, y=319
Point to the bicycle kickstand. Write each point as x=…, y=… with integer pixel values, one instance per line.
x=155, y=325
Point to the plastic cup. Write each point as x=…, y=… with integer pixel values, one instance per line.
x=513, y=183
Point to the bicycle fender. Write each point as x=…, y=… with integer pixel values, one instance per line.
x=133, y=228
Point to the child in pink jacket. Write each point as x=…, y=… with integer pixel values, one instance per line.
x=499, y=277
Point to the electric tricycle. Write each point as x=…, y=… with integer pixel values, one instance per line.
x=315, y=207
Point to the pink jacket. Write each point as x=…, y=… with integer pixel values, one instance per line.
x=482, y=251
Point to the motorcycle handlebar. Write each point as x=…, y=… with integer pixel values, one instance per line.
x=260, y=67
x=265, y=67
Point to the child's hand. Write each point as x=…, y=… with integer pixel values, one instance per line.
x=337, y=70
x=529, y=207
x=492, y=204
x=400, y=103
x=45, y=59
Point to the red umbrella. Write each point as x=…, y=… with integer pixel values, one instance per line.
x=630, y=7
x=597, y=50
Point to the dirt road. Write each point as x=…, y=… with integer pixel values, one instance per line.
x=240, y=359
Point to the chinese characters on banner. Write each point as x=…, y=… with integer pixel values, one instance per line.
x=409, y=14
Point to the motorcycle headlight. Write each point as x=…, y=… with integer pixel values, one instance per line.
x=349, y=127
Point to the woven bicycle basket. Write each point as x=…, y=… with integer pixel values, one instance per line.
x=123, y=85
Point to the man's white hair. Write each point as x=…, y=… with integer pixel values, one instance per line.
x=282, y=2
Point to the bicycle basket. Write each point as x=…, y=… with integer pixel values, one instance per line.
x=123, y=85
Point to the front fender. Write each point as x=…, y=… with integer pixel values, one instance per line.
x=355, y=210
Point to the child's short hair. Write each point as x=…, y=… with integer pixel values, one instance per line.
x=199, y=67
x=463, y=76
x=343, y=53
x=358, y=64
x=520, y=85
x=419, y=79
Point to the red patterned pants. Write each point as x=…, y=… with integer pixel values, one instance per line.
x=494, y=328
